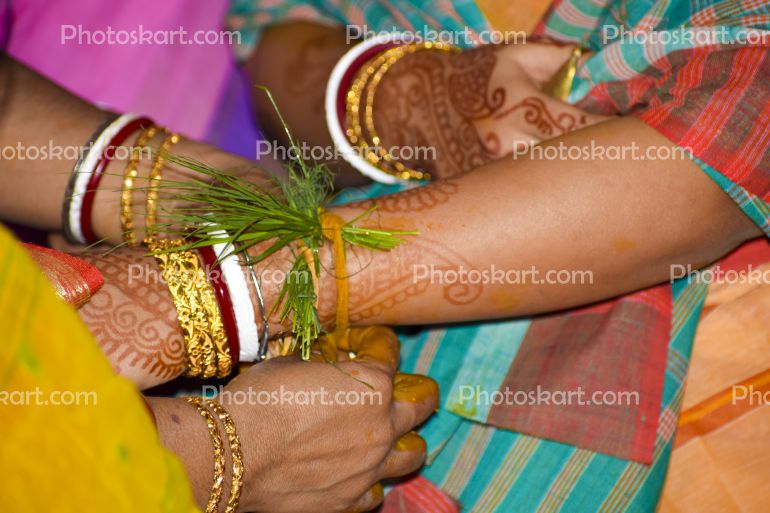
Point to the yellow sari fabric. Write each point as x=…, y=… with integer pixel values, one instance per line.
x=74, y=436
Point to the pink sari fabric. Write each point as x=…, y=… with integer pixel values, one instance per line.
x=180, y=86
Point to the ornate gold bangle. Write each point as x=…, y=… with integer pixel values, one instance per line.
x=235, y=454
x=224, y=362
x=206, y=348
x=129, y=179
x=219, y=454
x=155, y=176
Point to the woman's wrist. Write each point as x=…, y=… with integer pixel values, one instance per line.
x=106, y=212
x=273, y=272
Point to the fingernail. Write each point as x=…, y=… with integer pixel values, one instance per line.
x=411, y=442
x=413, y=388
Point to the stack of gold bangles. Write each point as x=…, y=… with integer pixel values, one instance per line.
x=212, y=411
x=219, y=331
x=350, y=99
x=206, y=346
x=130, y=176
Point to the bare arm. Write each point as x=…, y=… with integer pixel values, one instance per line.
x=613, y=226
x=294, y=60
x=625, y=221
x=36, y=116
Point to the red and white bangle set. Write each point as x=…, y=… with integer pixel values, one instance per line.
x=231, y=288
x=359, y=71
x=232, y=282
x=78, y=205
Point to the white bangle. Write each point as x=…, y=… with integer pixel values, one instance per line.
x=81, y=174
x=333, y=99
x=243, y=307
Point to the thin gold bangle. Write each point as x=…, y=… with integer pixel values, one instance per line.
x=235, y=454
x=402, y=171
x=206, y=347
x=219, y=454
x=151, y=215
x=353, y=111
x=369, y=77
x=129, y=178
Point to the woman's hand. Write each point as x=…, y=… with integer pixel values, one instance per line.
x=318, y=432
x=133, y=318
x=473, y=107
x=106, y=216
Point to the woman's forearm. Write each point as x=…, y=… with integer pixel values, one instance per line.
x=607, y=227
x=38, y=116
x=490, y=242
x=182, y=432
x=42, y=131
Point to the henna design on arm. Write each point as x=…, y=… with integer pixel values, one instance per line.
x=133, y=318
x=419, y=199
x=380, y=281
x=430, y=99
x=390, y=279
x=537, y=114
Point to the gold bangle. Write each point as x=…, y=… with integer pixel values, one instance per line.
x=367, y=80
x=151, y=215
x=219, y=454
x=216, y=328
x=129, y=178
x=206, y=347
x=402, y=171
x=235, y=454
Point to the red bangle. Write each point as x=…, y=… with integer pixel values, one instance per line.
x=96, y=177
x=222, y=293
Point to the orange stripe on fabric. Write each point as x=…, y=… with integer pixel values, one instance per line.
x=516, y=459
x=467, y=460
x=719, y=409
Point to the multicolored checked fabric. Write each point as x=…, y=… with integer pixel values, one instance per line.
x=696, y=71
x=249, y=17
x=711, y=98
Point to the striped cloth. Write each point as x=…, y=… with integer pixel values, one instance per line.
x=711, y=98
x=721, y=455
x=249, y=17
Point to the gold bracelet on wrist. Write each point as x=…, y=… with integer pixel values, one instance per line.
x=155, y=176
x=219, y=454
x=369, y=107
x=363, y=87
x=235, y=454
x=129, y=179
x=206, y=348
